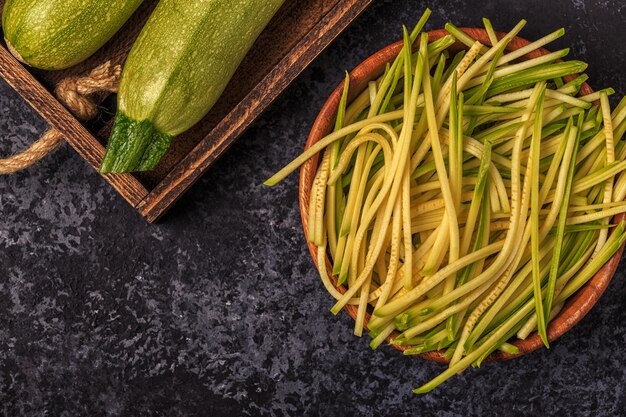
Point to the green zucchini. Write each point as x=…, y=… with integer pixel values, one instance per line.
x=57, y=34
x=178, y=68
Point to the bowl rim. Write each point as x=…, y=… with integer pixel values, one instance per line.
x=578, y=304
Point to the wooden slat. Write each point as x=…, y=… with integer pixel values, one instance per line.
x=187, y=172
x=61, y=119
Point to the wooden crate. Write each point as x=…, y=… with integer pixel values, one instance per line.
x=299, y=32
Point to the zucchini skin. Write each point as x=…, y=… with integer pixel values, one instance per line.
x=176, y=71
x=57, y=34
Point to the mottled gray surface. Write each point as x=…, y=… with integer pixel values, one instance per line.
x=218, y=311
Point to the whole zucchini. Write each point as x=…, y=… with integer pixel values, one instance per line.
x=56, y=34
x=179, y=66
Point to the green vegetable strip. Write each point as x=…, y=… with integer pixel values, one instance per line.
x=318, y=195
x=534, y=75
x=490, y=32
x=610, y=158
x=406, y=178
x=347, y=231
x=534, y=216
x=436, y=83
x=511, y=56
x=455, y=158
x=517, y=68
x=451, y=217
x=463, y=37
x=334, y=193
x=482, y=237
x=560, y=231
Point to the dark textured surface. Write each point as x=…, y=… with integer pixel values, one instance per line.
x=217, y=310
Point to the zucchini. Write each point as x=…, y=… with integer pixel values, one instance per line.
x=177, y=69
x=57, y=34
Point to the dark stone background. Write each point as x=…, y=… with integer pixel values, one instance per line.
x=217, y=310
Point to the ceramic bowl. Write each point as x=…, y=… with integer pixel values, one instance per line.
x=577, y=306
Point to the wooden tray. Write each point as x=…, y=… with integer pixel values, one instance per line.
x=299, y=32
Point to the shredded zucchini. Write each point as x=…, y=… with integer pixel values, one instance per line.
x=463, y=198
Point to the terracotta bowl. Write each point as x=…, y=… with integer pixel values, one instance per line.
x=577, y=306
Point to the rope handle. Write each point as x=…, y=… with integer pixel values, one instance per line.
x=77, y=94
